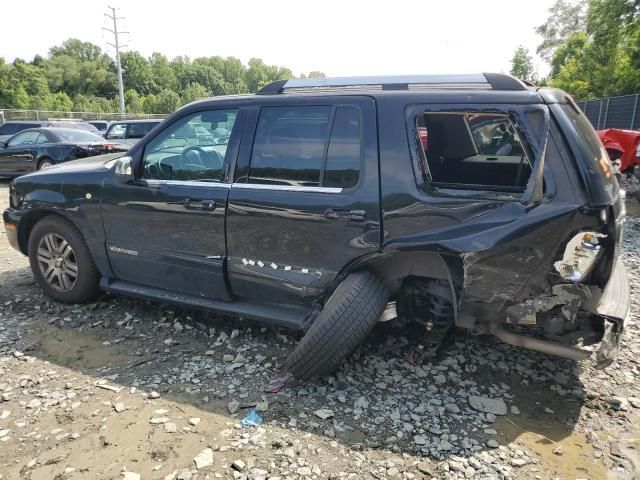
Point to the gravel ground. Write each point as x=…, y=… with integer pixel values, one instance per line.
x=126, y=389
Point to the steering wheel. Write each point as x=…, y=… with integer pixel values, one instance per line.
x=185, y=160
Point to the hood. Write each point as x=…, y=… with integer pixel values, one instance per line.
x=94, y=164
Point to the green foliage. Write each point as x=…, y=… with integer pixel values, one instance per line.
x=602, y=57
x=522, y=65
x=565, y=19
x=79, y=76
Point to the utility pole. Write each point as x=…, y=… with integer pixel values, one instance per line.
x=117, y=46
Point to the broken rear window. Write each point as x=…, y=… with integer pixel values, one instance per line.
x=473, y=151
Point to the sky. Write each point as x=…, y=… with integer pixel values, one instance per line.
x=337, y=37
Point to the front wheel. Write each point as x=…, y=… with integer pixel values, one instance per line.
x=61, y=262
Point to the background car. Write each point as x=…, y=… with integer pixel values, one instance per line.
x=12, y=127
x=37, y=148
x=101, y=125
x=130, y=131
x=623, y=147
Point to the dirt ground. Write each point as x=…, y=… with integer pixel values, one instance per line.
x=127, y=389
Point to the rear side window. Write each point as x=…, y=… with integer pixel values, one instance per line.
x=473, y=151
x=12, y=128
x=139, y=130
x=593, y=152
x=316, y=146
x=343, y=157
x=117, y=131
x=8, y=129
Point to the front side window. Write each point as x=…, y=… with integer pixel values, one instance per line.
x=473, y=151
x=193, y=148
x=26, y=138
x=310, y=146
x=117, y=131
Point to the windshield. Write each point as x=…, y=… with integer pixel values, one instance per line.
x=79, y=136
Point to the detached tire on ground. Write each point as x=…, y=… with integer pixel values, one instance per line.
x=61, y=261
x=344, y=322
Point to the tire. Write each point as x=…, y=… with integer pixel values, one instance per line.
x=73, y=276
x=344, y=322
x=45, y=163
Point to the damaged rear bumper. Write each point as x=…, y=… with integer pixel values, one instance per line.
x=609, y=309
x=613, y=307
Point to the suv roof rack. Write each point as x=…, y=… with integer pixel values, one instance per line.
x=485, y=81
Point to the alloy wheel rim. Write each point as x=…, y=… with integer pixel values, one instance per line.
x=57, y=262
x=44, y=165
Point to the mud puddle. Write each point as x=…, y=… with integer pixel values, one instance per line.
x=73, y=348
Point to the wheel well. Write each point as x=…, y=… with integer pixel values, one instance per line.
x=27, y=224
x=614, y=153
x=42, y=159
x=394, y=269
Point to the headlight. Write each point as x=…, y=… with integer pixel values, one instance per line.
x=638, y=149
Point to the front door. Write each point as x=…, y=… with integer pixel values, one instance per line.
x=305, y=201
x=18, y=156
x=166, y=229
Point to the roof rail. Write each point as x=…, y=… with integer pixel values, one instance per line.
x=492, y=81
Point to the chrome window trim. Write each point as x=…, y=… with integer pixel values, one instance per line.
x=185, y=183
x=286, y=188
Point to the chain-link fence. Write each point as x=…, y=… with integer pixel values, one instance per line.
x=613, y=112
x=10, y=114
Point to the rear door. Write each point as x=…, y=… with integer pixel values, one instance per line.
x=305, y=201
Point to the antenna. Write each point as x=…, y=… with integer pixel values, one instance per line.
x=116, y=34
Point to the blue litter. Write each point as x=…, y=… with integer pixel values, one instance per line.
x=253, y=419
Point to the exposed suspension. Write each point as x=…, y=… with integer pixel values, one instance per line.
x=429, y=303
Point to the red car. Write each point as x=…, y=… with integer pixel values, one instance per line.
x=623, y=147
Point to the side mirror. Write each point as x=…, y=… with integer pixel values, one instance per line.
x=124, y=169
x=3, y=145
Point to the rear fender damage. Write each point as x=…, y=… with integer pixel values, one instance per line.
x=528, y=293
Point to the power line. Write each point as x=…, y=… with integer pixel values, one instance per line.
x=117, y=46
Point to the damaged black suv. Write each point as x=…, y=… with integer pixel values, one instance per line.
x=327, y=205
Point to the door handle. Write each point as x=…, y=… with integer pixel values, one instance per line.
x=191, y=204
x=336, y=213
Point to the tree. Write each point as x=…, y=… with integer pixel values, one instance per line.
x=521, y=64
x=192, y=92
x=566, y=17
x=133, y=101
x=78, y=75
x=137, y=73
x=163, y=75
x=604, y=59
x=167, y=101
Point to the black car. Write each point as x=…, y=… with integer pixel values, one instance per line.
x=327, y=205
x=10, y=128
x=38, y=148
